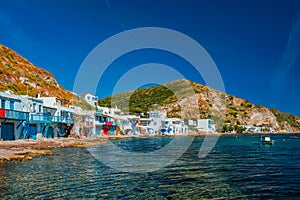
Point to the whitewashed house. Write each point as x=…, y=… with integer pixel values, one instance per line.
x=12, y=116
x=206, y=126
x=61, y=119
x=37, y=117
x=90, y=98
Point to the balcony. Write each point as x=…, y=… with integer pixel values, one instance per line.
x=2, y=113
x=111, y=123
x=61, y=119
x=57, y=119
x=99, y=122
x=14, y=115
x=99, y=112
x=38, y=118
x=68, y=120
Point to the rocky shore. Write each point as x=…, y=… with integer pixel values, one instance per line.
x=23, y=150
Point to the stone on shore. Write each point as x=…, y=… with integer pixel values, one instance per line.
x=23, y=150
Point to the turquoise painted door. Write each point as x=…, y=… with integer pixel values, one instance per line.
x=49, y=133
x=7, y=131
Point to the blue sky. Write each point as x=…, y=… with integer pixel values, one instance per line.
x=255, y=44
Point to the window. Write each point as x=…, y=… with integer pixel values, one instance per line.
x=12, y=105
x=88, y=98
x=2, y=103
x=40, y=108
x=34, y=107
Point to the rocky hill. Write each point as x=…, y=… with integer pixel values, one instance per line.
x=22, y=77
x=211, y=104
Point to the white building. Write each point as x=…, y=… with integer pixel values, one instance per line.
x=251, y=128
x=128, y=124
x=206, y=126
x=62, y=117
x=157, y=115
x=192, y=122
x=110, y=111
x=90, y=98
x=159, y=123
x=174, y=126
x=12, y=116
x=37, y=117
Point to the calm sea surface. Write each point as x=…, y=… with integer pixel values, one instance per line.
x=238, y=167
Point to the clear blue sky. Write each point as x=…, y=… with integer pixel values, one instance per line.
x=255, y=44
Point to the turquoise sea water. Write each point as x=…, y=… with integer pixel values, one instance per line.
x=238, y=167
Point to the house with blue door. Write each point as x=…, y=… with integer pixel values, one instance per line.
x=206, y=126
x=61, y=117
x=13, y=118
x=99, y=121
x=106, y=122
x=37, y=117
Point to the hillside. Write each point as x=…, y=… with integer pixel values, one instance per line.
x=212, y=104
x=22, y=77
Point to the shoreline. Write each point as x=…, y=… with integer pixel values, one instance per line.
x=24, y=150
x=193, y=134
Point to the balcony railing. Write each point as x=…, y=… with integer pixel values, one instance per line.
x=16, y=115
x=60, y=119
x=2, y=113
x=99, y=112
x=34, y=117
x=38, y=118
x=99, y=122
x=111, y=123
x=57, y=119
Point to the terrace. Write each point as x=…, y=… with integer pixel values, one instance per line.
x=14, y=115
x=38, y=118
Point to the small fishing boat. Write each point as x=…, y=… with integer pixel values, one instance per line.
x=267, y=140
x=294, y=137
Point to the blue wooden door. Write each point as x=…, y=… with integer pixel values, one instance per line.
x=32, y=131
x=7, y=131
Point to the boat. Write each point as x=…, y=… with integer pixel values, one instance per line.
x=267, y=140
x=294, y=137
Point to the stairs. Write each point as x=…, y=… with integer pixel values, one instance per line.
x=46, y=128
